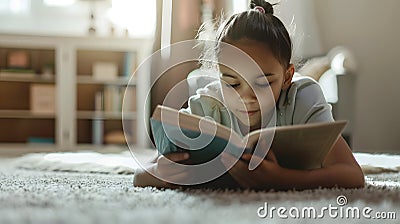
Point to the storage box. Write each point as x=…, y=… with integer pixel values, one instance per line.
x=105, y=71
x=43, y=98
x=18, y=59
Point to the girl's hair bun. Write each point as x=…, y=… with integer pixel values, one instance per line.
x=268, y=7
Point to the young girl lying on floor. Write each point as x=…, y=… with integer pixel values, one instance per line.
x=264, y=38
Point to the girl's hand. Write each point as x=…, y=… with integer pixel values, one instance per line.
x=265, y=176
x=163, y=167
x=168, y=169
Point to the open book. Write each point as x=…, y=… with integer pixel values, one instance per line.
x=298, y=146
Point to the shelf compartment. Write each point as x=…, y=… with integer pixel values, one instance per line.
x=25, y=114
x=125, y=62
x=85, y=130
x=21, y=129
x=111, y=100
x=40, y=60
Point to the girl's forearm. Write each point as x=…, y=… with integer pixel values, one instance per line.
x=340, y=175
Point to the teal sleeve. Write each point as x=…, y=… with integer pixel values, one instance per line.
x=200, y=105
x=206, y=103
x=163, y=144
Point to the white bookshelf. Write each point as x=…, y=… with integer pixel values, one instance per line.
x=118, y=82
x=67, y=81
x=25, y=114
x=105, y=115
x=27, y=79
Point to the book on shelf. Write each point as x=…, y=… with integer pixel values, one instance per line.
x=298, y=146
x=129, y=64
x=98, y=122
x=97, y=131
x=99, y=101
x=113, y=98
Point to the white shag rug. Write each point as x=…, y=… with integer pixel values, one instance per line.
x=94, y=192
x=124, y=163
x=40, y=197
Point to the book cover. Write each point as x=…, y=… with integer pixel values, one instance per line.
x=99, y=101
x=113, y=96
x=297, y=146
x=97, y=131
x=129, y=64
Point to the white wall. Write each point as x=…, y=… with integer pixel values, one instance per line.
x=370, y=28
x=298, y=17
x=306, y=38
x=72, y=20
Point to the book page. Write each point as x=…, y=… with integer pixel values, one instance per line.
x=305, y=146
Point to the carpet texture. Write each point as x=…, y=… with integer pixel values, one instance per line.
x=60, y=197
x=124, y=163
x=33, y=196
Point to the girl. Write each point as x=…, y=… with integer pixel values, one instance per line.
x=265, y=39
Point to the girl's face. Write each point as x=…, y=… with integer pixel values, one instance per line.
x=247, y=99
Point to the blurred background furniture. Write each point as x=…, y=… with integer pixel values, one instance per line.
x=335, y=72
